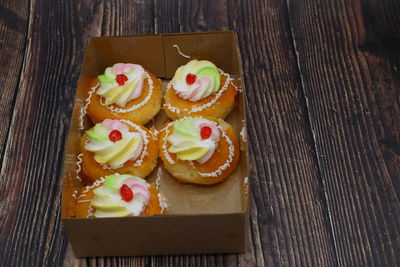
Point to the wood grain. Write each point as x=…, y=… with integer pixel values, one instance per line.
x=14, y=17
x=288, y=225
x=323, y=94
x=31, y=229
x=352, y=92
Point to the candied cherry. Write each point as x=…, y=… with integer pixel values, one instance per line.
x=121, y=79
x=205, y=132
x=190, y=78
x=126, y=193
x=115, y=136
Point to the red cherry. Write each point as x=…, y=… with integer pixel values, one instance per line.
x=126, y=193
x=115, y=136
x=121, y=79
x=205, y=132
x=190, y=78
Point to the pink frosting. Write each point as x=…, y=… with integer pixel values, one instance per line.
x=121, y=68
x=115, y=125
x=138, y=189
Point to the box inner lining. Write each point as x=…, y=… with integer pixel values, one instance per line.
x=162, y=59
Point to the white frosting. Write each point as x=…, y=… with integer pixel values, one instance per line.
x=96, y=183
x=158, y=178
x=227, y=162
x=155, y=133
x=145, y=140
x=78, y=166
x=108, y=200
x=130, y=89
x=207, y=105
x=210, y=174
x=137, y=106
x=164, y=145
x=243, y=134
x=162, y=201
x=179, y=51
x=85, y=190
x=113, y=153
x=236, y=88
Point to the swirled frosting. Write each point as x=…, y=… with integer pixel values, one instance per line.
x=121, y=83
x=196, y=80
x=121, y=195
x=113, y=144
x=194, y=139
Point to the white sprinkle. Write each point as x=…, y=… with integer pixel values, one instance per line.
x=158, y=178
x=243, y=134
x=179, y=51
x=95, y=184
x=236, y=88
x=163, y=201
x=137, y=106
x=78, y=166
x=172, y=108
x=105, y=166
x=155, y=133
x=84, y=109
x=85, y=200
x=164, y=146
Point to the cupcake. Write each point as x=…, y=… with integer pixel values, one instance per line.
x=117, y=146
x=124, y=91
x=199, y=88
x=199, y=150
x=119, y=196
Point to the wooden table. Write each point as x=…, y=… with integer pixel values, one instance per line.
x=323, y=94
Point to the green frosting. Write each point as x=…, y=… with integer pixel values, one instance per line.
x=114, y=182
x=187, y=129
x=98, y=133
x=211, y=72
x=186, y=141
x=207, y=80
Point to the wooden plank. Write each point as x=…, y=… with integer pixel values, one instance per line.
x=348, y=54
x=31, y=232
x=289, y=223
x=13, y=26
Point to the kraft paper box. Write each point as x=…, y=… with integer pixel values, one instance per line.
x=199, y=219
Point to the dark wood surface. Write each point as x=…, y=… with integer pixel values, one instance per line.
x=323, y=95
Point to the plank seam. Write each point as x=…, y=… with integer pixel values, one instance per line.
x=307, y=121
x=14, y=101
x=26, y=58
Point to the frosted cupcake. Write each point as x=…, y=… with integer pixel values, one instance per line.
x=119, y=196
x=199, y=150
x=199, y=88
x=117, y=146
x=124, y=91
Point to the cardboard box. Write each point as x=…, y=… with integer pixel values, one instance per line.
x=200, y=219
